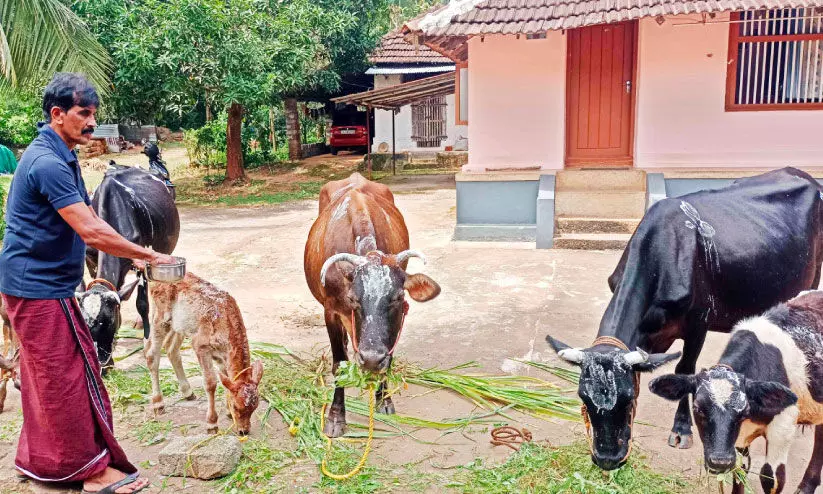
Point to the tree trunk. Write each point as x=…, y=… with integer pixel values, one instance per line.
x=272, y=133
x=293, y=130
x=208, y=108
x=234, y=147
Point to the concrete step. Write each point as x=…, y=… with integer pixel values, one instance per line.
x=592, y=241
x=611, y=180
x=600, y=204
x=596, y=225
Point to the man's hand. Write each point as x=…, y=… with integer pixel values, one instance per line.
x=160, y=258
x=157, y=258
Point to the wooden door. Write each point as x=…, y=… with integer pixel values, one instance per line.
x=600, y=93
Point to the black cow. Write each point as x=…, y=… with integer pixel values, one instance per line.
x=696, y=263
x=139, y=206
x=768, y=382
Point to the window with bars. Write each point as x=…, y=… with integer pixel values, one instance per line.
x=776, y=60
x=429, y=122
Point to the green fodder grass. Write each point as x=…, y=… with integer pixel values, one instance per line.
x=10, y=429
x=133, y=386
x=567, y=469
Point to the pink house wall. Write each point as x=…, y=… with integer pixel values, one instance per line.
x=681, y=117
x=516, y=102
x=517, y=105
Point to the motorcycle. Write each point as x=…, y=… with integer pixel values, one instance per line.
x=158, y=167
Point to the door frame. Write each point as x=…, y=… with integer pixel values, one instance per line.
x=617, y=162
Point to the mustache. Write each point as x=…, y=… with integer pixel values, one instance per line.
x=88, y=130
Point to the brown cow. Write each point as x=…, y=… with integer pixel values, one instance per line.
x=210, y=316
x=10, y=358
x=355, y=264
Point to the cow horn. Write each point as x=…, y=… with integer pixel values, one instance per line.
x=572, y=355
x=352, y=258
x=406, y=254
x=636, y=357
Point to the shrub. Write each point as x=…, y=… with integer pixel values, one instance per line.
x=206, y=146
x=19, y=115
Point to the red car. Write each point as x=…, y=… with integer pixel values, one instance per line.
x=348, y=137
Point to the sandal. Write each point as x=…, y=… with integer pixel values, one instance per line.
x=110, y=489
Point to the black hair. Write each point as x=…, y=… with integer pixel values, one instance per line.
x=66, y=90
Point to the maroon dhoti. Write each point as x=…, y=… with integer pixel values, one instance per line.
x=67, y=431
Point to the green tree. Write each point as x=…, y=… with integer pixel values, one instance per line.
x=40, y=37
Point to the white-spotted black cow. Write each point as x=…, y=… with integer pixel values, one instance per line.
x=355, y=265
x=698, y=263
x=768, y=382
x=139, y=206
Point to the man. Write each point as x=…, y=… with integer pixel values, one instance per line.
x=67, y=433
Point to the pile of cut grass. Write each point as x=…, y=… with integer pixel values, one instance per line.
x=296, y=388
x=543, y=469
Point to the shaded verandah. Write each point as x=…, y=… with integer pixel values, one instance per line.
x=395, y=97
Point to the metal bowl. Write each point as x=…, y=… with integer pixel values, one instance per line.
x=167, y=273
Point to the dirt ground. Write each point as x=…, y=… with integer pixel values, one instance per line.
x=499, y=301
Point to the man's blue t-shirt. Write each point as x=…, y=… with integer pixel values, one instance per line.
x=42, y=255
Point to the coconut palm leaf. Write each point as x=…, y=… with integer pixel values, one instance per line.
x=40, y=37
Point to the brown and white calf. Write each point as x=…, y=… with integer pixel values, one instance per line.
x=768, y=382
x=210, y=316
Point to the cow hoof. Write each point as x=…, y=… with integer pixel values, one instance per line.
x=211, y=429
x=190, y=397
x=335, y=426
x=681, y=441
x=386, y=407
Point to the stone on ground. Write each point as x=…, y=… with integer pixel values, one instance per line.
x=212, y=456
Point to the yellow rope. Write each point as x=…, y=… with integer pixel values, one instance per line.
x=366, y=451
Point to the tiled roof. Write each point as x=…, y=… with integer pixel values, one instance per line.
x=394, y=49
x=474, y=17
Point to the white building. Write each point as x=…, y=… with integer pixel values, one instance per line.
x=430, y=125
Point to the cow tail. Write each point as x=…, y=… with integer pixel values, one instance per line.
x=143, y=304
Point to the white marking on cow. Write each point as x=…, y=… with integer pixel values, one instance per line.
x=365, y=245
x=91, y=306
x=725, y=389
x=706, y=232
x=780, y=434
x=340, y=210
x=183, y=318
x=721, y=391
x=339, y=192
x=138, y=201
x=600, y=385
x=794, y=360
x=376, y=282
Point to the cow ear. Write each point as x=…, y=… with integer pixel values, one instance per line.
x=767, y=398
x=567, y=353
x=227, y=382
x=654, y=361
x=673, y=387
x=256, y=372
x=421, y=288
x=127, y=290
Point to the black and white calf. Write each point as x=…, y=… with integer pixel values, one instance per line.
x=767, y=383
x=100, y=306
